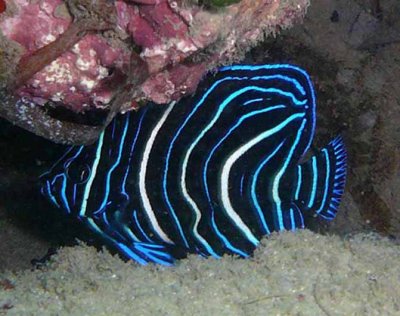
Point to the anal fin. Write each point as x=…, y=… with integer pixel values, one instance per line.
x=321, y=180
x=141, y=252
x=144, y=252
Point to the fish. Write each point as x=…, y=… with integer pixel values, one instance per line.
x=210, y=174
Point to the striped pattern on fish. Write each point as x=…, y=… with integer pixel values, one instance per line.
x=210, y=174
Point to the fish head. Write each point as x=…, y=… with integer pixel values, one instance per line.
x=65, y=183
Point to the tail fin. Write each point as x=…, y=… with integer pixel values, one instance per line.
x=321, y=180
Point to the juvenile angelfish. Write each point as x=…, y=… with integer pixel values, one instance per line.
x=210, y=174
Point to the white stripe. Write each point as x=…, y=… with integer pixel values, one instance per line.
x=142, y=177
x=89, y=183
x=193, y=205
x=227, y=169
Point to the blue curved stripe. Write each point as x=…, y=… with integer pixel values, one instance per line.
x=314, y=182
x=70, y=160
x=128, y=168
x=155, y=253
x=140, y=227
x=105, y=219
x=275, y=190
x=88, y=185
x=300, y=216
x=130, y=233
x=299, y=181
x=253, y=101
x=130, y=254
x=225, y=240
x=241, y=184
x=63, y=188
x=327, y=176
x=292, y=222
x=113, y=167
x=254, y=184
x=74, y=194
x=298, y=85
x=50, y=194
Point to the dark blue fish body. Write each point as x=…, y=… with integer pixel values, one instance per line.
x=210, y=174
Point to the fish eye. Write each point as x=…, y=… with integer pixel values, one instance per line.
x=78, y=174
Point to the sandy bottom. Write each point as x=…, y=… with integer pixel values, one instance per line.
x=300, y=273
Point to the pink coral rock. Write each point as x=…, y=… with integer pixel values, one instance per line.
x=85, y=55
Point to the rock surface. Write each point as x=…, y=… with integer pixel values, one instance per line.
x=84, y=55
x=298, y=273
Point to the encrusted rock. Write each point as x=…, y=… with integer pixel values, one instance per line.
x=85, y=55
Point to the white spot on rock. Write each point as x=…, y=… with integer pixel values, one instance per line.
x=87, y=83
x=58, y=73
